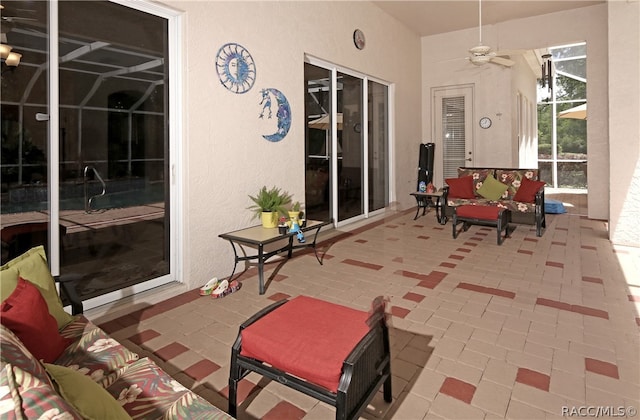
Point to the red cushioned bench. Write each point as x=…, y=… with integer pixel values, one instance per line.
x=333, y=353
x=494, y=216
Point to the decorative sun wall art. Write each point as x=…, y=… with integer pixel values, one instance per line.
x=236, y=68
x=282, y=113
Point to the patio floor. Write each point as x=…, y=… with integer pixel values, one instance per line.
x=536, y=328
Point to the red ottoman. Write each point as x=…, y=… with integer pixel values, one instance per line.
x=333, y=353
x=497, y=217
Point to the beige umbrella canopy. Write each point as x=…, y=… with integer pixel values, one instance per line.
x=324, y=122
x=577, y=112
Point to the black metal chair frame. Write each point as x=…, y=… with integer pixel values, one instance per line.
x=367, y=367
x=501, y=223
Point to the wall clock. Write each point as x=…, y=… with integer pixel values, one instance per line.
x=358, y=39
x=236, y=68
x=485, y=122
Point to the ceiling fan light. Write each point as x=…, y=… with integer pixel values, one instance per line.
x=5, y=50
x=13, y=59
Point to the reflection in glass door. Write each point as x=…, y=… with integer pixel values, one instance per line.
x=350, y=144
x=113, y=142
x=346, y=177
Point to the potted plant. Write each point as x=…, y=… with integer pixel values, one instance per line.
x=294, y=213
x=268, y=204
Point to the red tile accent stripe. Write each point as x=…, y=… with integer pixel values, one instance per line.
x=361, y=241
x=456, y=257
x=532, y=378
x=471, y=244
x=423, y=237
x=584, y=310
x=399, y=311
x=601, y=368
x=447, y=265
x=554, y=264
x=143, y=336
x=415, y=297
x=531, y=239
x=284, y=410
x=463, y=250
x=278, y=296
x=458, y=389
x=488, y=290
x=245, y=388
x=201, y=369
x=362, y=264
x=592, y=279
x=429, y=281
x=558, y=243
x=525, y=251
x=170, y=351
x=593, y=248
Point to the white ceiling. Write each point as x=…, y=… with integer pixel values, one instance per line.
x=429, y=17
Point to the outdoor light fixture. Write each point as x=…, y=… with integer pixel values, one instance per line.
x=547, y=76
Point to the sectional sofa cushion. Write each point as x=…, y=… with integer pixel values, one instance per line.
x=25, y=313
x=492, y=189
x=527, y=191
x=88, y=398
x=461, y=187
x=513, y=179
x=478, y=175
x=32, y=266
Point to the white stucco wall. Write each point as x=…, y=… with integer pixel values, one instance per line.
x=225, y=157
x=442, y=65
x=624, y=121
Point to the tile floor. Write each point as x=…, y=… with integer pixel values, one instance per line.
x=536, y=328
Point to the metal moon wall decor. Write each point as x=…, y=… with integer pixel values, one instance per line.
x=282, y=113
x=236, y=68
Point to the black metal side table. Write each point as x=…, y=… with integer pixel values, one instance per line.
x=424, y=200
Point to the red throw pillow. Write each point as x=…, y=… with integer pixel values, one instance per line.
x=25, y=312
x=527, y=190
x=461, y=187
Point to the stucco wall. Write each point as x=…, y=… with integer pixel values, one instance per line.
x=441, y=53
x=225, y=157
x=624, y=123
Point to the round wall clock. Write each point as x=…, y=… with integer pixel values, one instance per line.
x=358, y=39
x=485, y=122
x=236, y=68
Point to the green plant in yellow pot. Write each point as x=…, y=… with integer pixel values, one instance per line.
x=269, y=204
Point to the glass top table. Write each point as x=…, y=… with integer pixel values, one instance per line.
x=259, y=236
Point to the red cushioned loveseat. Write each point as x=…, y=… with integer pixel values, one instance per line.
x=523, y=195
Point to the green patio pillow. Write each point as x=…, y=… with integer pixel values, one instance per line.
x=88, y=398
x=492, y=189
x=32, y=266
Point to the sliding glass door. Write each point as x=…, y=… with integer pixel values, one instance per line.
x=347, y=144
x=107, y=134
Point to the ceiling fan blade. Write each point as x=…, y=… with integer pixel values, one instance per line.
x=502, y=61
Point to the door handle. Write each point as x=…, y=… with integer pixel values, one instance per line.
x=469, y=159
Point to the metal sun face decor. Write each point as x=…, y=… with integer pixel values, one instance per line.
x=283, y=113
x=236, y=68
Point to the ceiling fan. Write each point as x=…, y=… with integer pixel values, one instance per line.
x=481, y=54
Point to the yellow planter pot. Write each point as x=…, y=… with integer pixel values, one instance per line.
x=269, y=219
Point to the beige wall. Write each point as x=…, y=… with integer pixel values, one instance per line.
x=225, y=157
x=442, y=65
x=624, y=121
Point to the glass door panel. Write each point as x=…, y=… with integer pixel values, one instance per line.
x=318, y=142
x=350, y=147
x=24, y=168
x=378, y=146
x=113, y=188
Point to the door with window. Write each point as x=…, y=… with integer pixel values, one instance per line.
x=90, y=144
x=453, y=129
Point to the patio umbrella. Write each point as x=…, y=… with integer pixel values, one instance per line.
x=577, y=112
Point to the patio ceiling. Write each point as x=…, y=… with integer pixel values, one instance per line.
x=429, y=17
